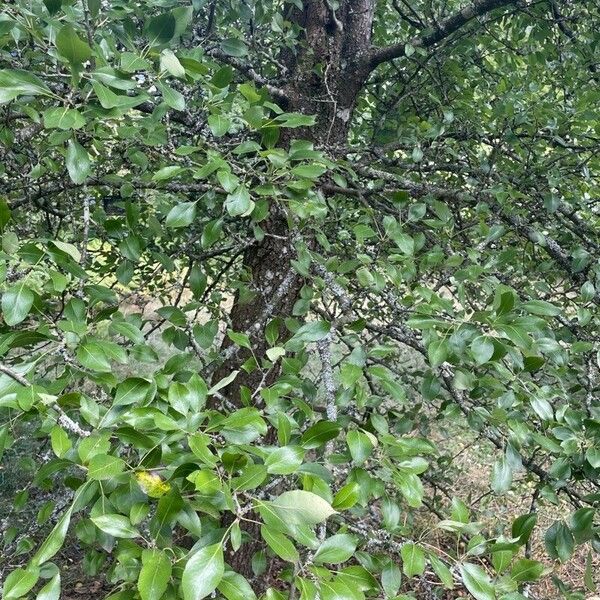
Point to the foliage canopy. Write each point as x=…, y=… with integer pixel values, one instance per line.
x=362, y=225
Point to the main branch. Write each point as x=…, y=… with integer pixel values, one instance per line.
x=443, y=29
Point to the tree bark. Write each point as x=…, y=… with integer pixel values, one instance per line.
x=326, y=76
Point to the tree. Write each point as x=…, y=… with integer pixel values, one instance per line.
x=361, y=223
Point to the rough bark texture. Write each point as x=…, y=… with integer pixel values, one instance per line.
x=326, y=76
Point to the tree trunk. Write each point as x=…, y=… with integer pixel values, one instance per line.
x=326, y=76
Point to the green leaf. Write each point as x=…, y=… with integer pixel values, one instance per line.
x=223, y=383
x=275, y=353
x=526, y=570
x=417, y=153
x=128, y=330
x=203, y=572
x=239, y=202
x=588, y=577
x=336, y=549
x=501, y=559
x=405, y=242
x=502, y=476
x=173, y=98
x=167, y=173
x=67, y=248
x=582, y=524
x=559, y=541
x=391, y=578
x=71, y=46
x=295, y=120
x=63, y=118
x=105, y=466
x=347, y=496
x=235, y=537
x=53, y=6
x=360, y=445
x=437, y=351
x=14, y=83
x=116, y=525
x=3, y=439
x=53, y=543
x=19, y=582
x=234, y=47
x=78, y=162
x=92, y=445
x=60, y=441
x=5, y=214
x=240, y=339
x=541, y=308
x=181, y=215
x=319, y=434
x=27, y=397
x=229, y=182
x=309, y=332
x=410, y=487
x=92, y=356
x=132, y=390
x=16, y=303
x=154, y=575
x=365, y=277
x=223, y=77
x=183, y=17
x=235, y=587
x=523, y=526
x=592, y=455
x=279, y=544
x=542, y=408
x=312, y=171
x=250, y=478
x=413, y=559
x=109, y=99
x=160, y=29
x=219, y=125
x=206, y=482
x=302, y=508
x=284, y=429
x=198, y=444
x=170, y=63
x=482, y=348
x=179, y=397
x=442, y=571
x=113, y=79
x=51, y=591
x=477, y=582
x=131, y=62
x=284, y=461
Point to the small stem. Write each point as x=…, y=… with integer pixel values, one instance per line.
x=63, y=418
x=88, y=30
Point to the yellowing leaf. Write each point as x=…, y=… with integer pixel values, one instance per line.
x=152, y=484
